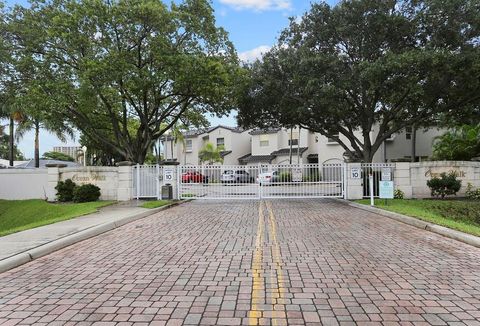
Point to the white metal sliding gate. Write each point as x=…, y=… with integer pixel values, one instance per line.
x=242, y=182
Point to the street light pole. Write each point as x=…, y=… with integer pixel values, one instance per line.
x=84, y=149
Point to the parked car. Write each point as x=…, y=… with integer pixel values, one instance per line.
x=267, y=178
x=194, y=177
x=238, y=176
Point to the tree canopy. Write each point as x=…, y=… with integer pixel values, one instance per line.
x=363, y=70
x=107, y=65
x=57, y=156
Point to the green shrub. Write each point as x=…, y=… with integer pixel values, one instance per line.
x=86, y=193
x=65, y=190
x=459, y=210
x=446, y=185
x=285, y=177
x=398, y=194
x=472, y=193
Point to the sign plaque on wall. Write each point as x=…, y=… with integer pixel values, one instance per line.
x=355, y=173
x=167, y=175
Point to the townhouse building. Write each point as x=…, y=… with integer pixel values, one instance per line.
x=282, y=146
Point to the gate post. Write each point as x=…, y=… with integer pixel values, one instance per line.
x=158, y=181
x=138, y=181
x=353, y=182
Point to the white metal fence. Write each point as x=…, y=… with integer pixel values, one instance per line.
x=243, y=181
x=379, y=171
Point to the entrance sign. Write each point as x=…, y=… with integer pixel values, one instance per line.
x=297, y=175
x=355, y=173
x=386, y=174
x=386, y=189
x=168, y=175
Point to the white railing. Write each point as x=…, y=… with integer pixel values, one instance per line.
x=376, y=170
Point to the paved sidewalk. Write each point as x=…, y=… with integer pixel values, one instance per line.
x=272, y=262
x=23, y=241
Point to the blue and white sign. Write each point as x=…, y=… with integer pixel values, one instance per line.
x=386, y=189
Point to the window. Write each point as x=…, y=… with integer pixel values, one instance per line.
x=221, y=142
x=188, y=145
x=331, y=140
x=264, y=140
x=293, y=138
x=293, y=142
x=408, y=133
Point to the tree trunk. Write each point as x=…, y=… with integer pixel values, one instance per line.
x=367, y=154
x=291, y=131
x=414, y=144
x=11, y=152
x=37, y=145
x=298, y=146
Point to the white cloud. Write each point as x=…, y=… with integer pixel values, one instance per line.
x=253, y=54
x=259, y=5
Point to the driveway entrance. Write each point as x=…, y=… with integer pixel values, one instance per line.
x=251, y=262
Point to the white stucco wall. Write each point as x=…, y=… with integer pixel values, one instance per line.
x=23, y=184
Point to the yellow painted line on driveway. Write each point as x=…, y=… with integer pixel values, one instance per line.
x=277, y=283
x=276, y=258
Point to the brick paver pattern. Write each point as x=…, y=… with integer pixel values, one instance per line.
x=289, y=262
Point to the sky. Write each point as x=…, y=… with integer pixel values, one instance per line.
x=253, y=27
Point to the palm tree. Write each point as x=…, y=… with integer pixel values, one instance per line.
x=177, y=135
x=210, y=154
x=459, y=144
x=34, y=123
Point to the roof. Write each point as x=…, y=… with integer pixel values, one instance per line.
x=192, y=133
x=286, y=151
x=249, y=158
x=31, y=164
x=224, y=153
x=264, y=131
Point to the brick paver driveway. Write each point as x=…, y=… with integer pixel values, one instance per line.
x=289, y=262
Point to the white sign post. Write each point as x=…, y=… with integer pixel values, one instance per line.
x=370, y=182
x=168, y=175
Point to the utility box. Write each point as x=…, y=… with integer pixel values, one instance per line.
x=167, y=192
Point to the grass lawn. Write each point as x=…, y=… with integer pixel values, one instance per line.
x=156, y=203
x=461, y=215
x=19, y=215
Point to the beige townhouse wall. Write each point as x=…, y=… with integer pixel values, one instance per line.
x=400, y=145
x=264, y=144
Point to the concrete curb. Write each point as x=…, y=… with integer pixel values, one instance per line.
x=446, y=232
x=50, y=247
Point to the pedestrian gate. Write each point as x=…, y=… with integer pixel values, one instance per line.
x=241, y=181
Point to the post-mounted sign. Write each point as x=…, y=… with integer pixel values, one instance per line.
x=386, y=174
x=386, y=189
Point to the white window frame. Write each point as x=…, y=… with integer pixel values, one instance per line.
x=188, y=145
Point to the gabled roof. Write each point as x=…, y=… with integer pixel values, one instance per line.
x=224, y=153
x=249, y=158
x=264, y=131
x=192, y=133
x=31, y=164
x=286, y=151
